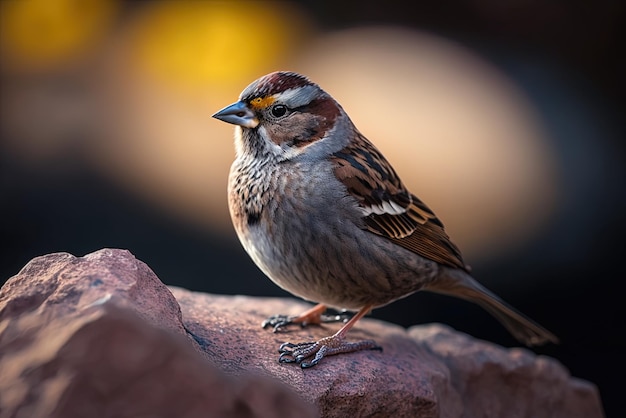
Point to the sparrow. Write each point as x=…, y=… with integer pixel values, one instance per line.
x=324, y=215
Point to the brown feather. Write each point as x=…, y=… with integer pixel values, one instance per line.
x=369, y=177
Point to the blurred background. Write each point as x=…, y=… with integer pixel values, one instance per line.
x=505, y=117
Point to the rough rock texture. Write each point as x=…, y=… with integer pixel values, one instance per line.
x=101, y=336
x=426, y=371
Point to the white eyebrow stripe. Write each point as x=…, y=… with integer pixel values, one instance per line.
x=297, y=97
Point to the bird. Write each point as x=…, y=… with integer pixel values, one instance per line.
x=325, y=216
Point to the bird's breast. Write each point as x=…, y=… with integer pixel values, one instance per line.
x=249, y=193
x=305, y=232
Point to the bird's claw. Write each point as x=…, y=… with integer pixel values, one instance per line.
x=280, y=321
x=298, y=353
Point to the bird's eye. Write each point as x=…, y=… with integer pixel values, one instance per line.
x=279, y=110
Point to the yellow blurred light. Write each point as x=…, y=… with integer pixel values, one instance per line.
x=192, y=45
x=170, y=67
x=42, y=33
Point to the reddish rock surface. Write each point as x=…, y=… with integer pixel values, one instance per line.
x=426, y=371
x=101, y=336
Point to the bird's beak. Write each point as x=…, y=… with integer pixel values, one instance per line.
x=238, y=114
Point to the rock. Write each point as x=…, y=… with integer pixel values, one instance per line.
x=498, y=382
x=61, y=285
x=426, y=371
x=360, y=384
x=100, y=335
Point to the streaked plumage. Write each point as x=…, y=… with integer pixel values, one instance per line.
x=326, y=217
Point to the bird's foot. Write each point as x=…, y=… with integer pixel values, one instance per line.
x=314, y=316
x=280, y=321
x=329, y=346
x=277, y=322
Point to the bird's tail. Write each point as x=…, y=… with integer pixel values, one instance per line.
x=455, y=282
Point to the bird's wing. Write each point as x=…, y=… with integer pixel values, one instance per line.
x=389, y=209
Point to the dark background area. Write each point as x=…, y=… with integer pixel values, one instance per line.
x=568, y=57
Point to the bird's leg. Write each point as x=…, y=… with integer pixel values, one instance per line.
x=311, y=316
x=329, y=346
